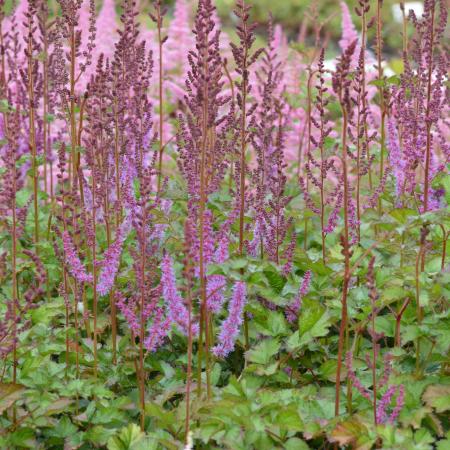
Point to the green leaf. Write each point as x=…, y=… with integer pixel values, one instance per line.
x=443, y=445
x=296, y=444
x=23, y=438
x=99, y=435
x=263, y=352
x=239, y=263
x=378, y=83
x=394, y=79
x=63, y=429
x=313, y=322
x=276, y=280
x=289, y=419
x=128, y=438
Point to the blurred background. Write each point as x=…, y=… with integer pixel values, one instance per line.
x=298, y=16
x=293, y=14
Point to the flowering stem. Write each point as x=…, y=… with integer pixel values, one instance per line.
x=32, y=125
x=73, y=125
x=243, y=133
x=428, y=122
x=94, y=270
x=381, y=93
x=14, y=272
x=322, y=169
x=42, y=18
x=160, y=89
x=363, y=91
x=346, y=251
x=309, y=112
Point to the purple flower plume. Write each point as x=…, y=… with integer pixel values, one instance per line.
x=399, y=404
x=157, y=331
x=74, y=264
x=128, y=308
x=354, y=379
x=111, y=261
x=216, y=284
x=386, y=400
x=396, y=159
x=177, y=310
x=231, y=325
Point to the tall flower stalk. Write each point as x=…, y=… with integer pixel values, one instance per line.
x=319, y=168
x=31, y=49
x=244, y=60
x=341, y=84
x=158, y=16
x=381, y=90
x=203, y=143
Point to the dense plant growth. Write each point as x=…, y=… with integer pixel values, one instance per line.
x=206, y=242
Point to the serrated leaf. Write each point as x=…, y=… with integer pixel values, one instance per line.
x=263, y=352
x=314, y=321
x=128, y=438
x=289, y=419
x=276, y=280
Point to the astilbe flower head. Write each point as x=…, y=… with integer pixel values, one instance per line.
x=319, y=163
x=230, y=327
x=158, y=330
x=128, y=309
x=204, y=103
x=175, y=305
x=73, y=262
x=385, y=402
x=354, y=379
x=216, y=283
x=111, y=261
x=271, y=222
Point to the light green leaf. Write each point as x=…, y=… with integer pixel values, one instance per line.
x=263, y=352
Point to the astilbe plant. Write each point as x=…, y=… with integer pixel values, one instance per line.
x=341, y=86
x=10, y=324
x=148, y=319
x=419, y=150
x=320, y=165
x=204, y=145
x=272, y=223
x=245, y=121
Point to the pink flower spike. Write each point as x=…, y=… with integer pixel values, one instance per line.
x=231, y=325
x=74, y=264
x=177, y=310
